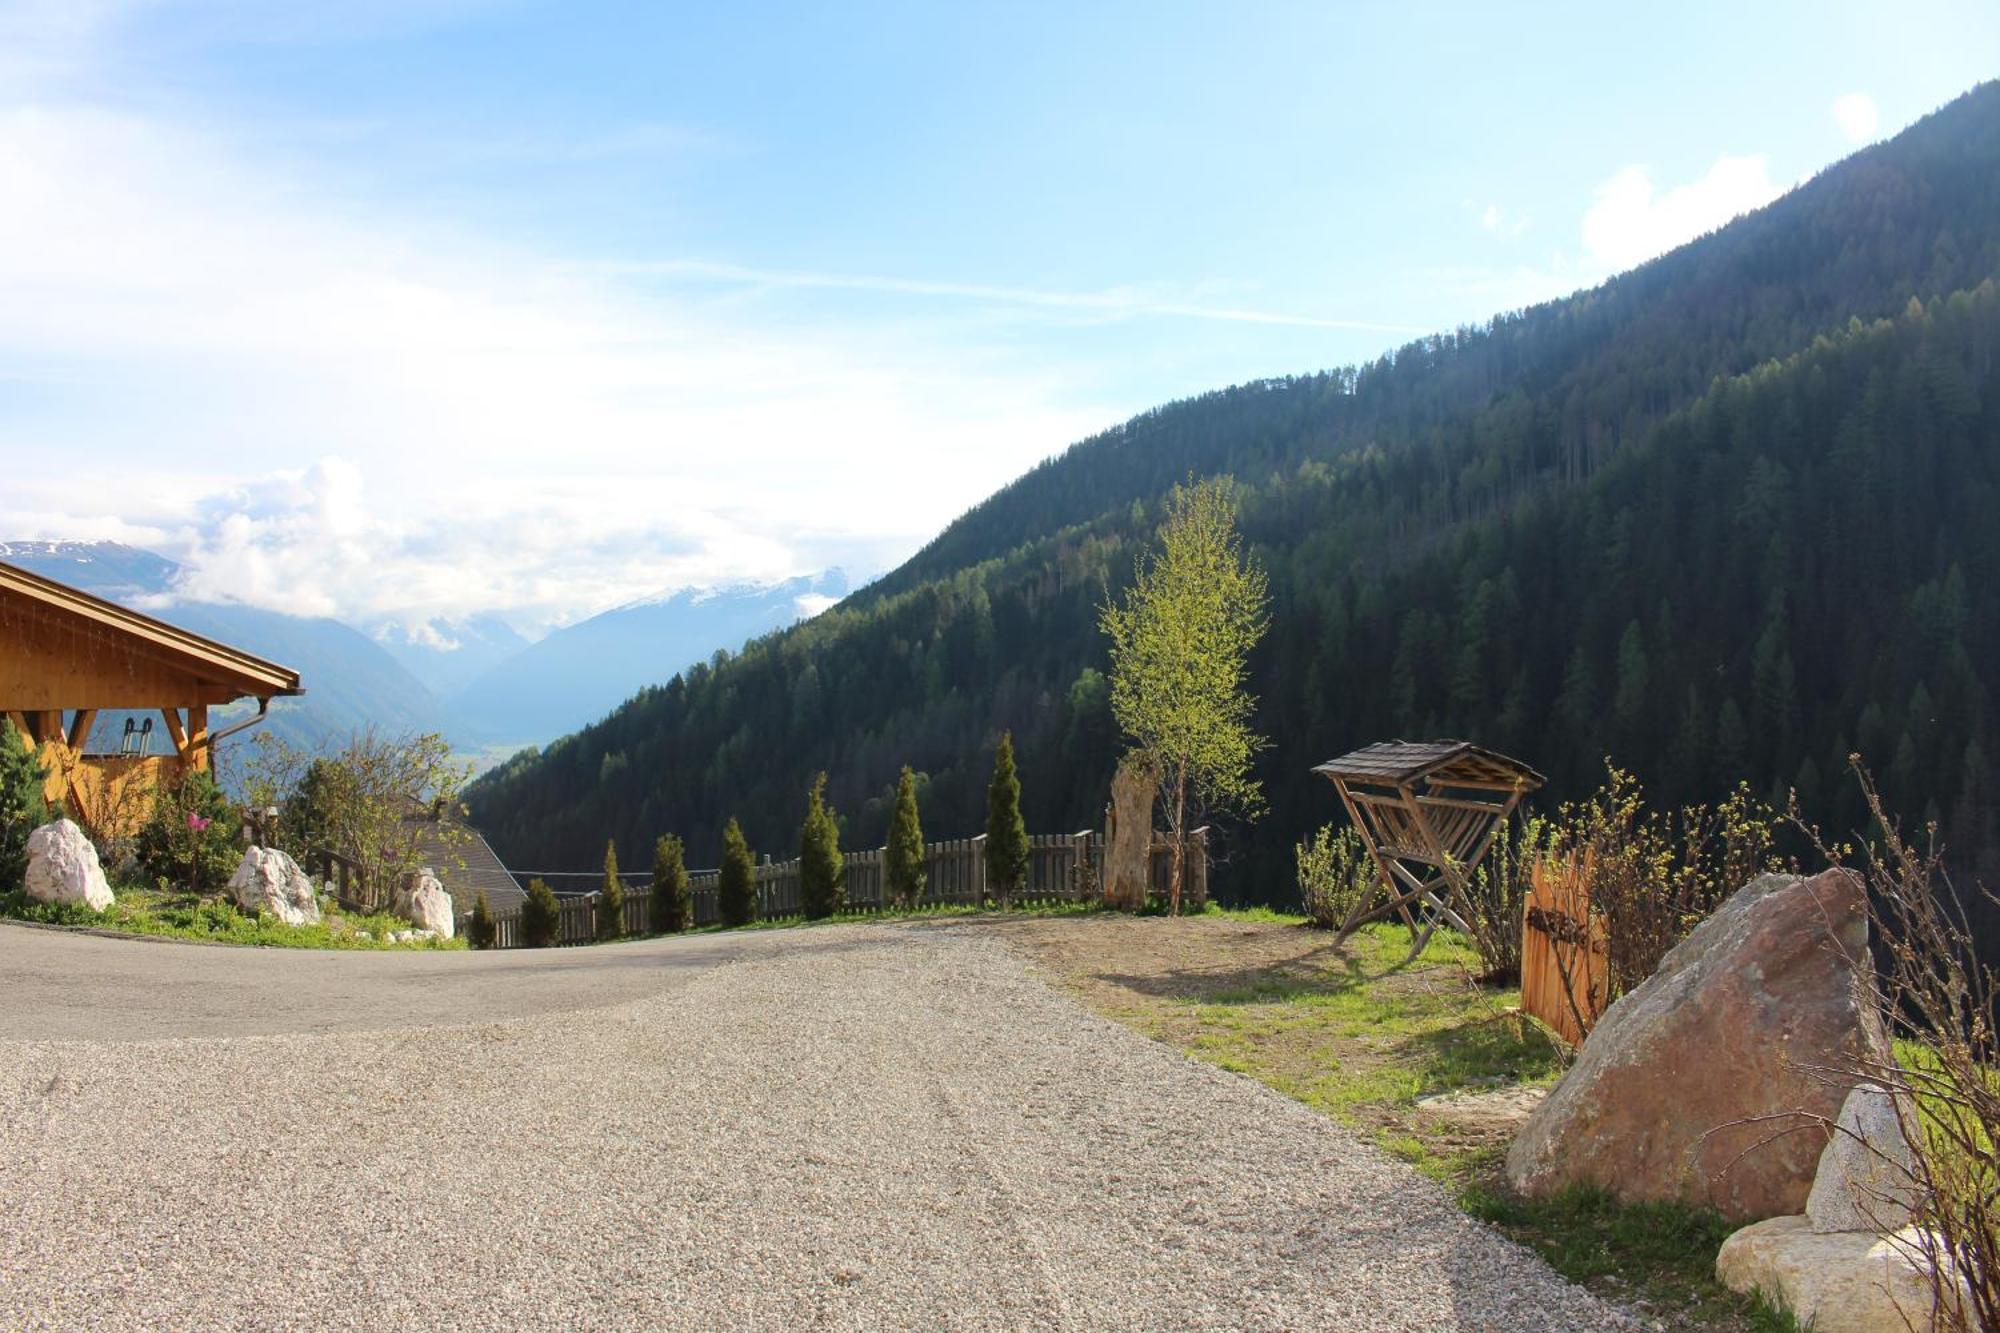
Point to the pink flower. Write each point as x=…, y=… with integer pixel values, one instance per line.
x=197, y=822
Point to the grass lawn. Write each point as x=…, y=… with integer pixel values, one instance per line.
x=181, y=915
x=1362, y=1035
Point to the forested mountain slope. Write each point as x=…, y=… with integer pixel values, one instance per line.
x=1561, y=535
x=1555, y=388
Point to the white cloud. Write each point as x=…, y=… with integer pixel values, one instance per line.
x=1857, y=117
x=1631, y=221
x=1116, y=303
x=325, y=411
x=1490, y=219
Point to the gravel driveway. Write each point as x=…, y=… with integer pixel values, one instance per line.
x=847, y=1127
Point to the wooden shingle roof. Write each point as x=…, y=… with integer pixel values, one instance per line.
x=1399, y=763
x=465, y=864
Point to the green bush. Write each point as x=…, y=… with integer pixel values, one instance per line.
x=822, y=874
x=673, y=902
x=22, y=808
x=611, y=898
x=190, y=838
x=479, y=930
x=905, y=858
x=541, y=916
x=736, y=886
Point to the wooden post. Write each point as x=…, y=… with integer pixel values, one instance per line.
x=197, y=737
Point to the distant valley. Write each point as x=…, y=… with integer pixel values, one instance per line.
x=490, y=689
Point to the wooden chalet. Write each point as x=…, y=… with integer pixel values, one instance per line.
x=66, y=656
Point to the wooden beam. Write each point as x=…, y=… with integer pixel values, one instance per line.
x=197, y=736
x=27, y=733
x=79, y=728
x=175, y=731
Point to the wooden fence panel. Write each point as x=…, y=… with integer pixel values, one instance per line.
x=1565, y=961
x=1062, y=868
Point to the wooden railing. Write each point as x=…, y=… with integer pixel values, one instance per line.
x=350, y=886
x=1062, y=868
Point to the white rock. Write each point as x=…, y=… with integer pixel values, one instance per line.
x=63, y=867
x=1839, y=1282
x=1867, y=1175
x=267, y=880
x=423, y=902
x=363, y=935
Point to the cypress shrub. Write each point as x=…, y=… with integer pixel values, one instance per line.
x=22, y=809
x=822, y=874
x=611, y=898
x=905, y=869
x=479, y=928
x=1006, y=832
x=541, y=916
x=736, y=886
x=673, y=901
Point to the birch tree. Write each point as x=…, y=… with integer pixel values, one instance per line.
x=1180, y=649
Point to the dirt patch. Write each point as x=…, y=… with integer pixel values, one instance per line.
x=1123, y=959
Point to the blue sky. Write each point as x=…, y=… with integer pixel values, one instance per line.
x=398, y=311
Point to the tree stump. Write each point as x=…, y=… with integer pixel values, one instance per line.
x=1128, y=842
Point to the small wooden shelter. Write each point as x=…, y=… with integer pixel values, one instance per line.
x=66, y=655
x=1427, y=812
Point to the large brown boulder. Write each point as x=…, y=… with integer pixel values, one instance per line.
x=1712, y=1083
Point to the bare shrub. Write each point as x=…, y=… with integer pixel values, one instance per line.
x=1936, y=1000
x=1497, y=896
x=1652, y=875
x=1335, y=873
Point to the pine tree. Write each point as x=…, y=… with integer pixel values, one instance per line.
x=22, y=808
x=1732, y=746
x=1629, y=700
x=541, y=915
x=611, y=898
x=822, y=874
x=1006, y=832
x=673, y=902
x=479, y=930
x=905, y=856
x=736, y=885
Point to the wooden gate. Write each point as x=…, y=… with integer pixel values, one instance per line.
x=1565, y=961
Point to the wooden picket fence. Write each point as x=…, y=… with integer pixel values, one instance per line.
x=1062, y=868
x=1565, y=958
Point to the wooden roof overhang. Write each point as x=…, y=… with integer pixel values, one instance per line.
x=62, y=648
x=1427, y=812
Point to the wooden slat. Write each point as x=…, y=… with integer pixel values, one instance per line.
x=1565, y=964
